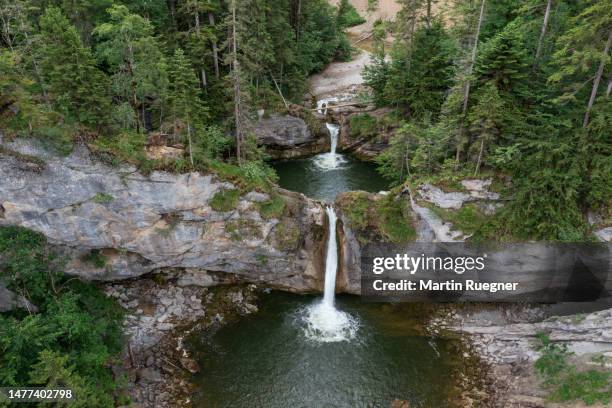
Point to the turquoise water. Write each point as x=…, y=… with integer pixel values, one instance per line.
x=265, y=360
x=305, y=176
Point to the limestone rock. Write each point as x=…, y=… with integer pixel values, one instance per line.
x=10, y=301
x=288, y=136
x=437, y=196
x=138, y=224
x=605, y=234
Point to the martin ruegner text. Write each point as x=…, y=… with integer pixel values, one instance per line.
x=405, y=285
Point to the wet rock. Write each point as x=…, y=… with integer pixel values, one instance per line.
x=604, y=235
x=190, y=365
x=288, y=136
x=149, y=375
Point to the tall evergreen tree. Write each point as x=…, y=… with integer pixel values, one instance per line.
x=128, y=46
x=184, y=97
x=78, y=88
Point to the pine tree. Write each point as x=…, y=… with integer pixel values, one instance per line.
x=128, y=46
x=184, y=96
x=503, y=60
x=584, y=52
x=78, y=88
x=486, y=121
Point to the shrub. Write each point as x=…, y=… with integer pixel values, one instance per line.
x=363, y=125
x=73, y=337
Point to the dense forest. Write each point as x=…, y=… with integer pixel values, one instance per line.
x=111, y=72
x=520, y=88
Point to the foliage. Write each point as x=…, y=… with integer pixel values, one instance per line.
x=363, y=125
x=272, y=208
x=348, y=15
x=566, y=382
x=224, y=200
x=96, y=258
x=74, y=336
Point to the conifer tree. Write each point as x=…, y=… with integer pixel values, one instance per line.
x=184, y=96
x=486, y=120
x=78, y=88
x=585, y=51
x=129, y=47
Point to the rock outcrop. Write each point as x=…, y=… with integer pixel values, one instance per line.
x=9, y=300
x=116, y=223
x=287, y=137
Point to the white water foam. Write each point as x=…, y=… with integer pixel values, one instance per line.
x=322, y=321
x=331, y=160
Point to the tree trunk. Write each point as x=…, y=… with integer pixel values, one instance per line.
x=428, y=21
x=466, y=94
x=609, y=89
x=211, y=20
x=297, y=20
x=479, y=157
x=236, y=76
x=197, y=27
x=542, y=34
x=600, y=70
x=189, y=140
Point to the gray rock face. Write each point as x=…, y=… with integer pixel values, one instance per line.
x=10, y=301
x=142, y=223
x=288, y=136
x=604, y=235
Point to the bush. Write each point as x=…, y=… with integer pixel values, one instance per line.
x=74, y=336
x=348, y=15
x=567, y=383
x=363, y=125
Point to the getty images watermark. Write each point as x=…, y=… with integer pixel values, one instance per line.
x=451, y=272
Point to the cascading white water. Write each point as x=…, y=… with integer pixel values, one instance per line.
x=322, y=321
x=331, y=160
x=331, y=260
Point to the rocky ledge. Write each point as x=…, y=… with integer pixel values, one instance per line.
x=161, y=312
x=116, y=223
x=506, y=339
x=286, y=137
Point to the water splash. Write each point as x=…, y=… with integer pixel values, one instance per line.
x=331, y=160
x=322, y=321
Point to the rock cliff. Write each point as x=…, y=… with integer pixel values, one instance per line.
x=116, y=223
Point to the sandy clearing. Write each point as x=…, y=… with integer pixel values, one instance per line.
x=338, y=76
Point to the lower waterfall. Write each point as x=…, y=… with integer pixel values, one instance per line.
x=323, y=322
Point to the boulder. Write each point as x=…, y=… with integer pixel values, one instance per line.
x=9, y=300
x=288, y=136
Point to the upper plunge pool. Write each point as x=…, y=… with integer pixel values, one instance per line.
x=325, y=175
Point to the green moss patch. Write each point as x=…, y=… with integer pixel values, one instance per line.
x=225, y=200
x=378, y=218
x=273, y=208
x=242, y=229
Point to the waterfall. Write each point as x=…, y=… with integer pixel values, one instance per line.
x=322, y=321
x=331, y=260
x=333, y=136
x=331, y=160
